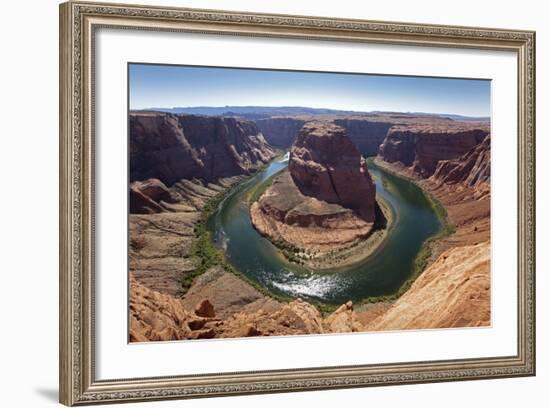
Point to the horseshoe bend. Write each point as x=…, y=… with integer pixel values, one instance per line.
x=229, y=239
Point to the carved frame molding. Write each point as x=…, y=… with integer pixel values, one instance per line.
x=78, y=21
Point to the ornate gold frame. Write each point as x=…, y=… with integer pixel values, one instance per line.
x=78, y=22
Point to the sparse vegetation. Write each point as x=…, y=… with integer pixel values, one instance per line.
x=207, y=255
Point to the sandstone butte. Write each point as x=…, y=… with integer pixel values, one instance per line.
x=451, y=160
x=325, y=201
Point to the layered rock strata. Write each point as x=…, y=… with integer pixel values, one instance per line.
x=171, y=147
x=421, y=147
x=325, y=164
x=177, y=164
x=463, y=186
x=472, y=169
x=453, y=292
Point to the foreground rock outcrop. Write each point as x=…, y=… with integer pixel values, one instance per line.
x=171, y=147
x=453, y=292
x=155, y=316
x=324, y=204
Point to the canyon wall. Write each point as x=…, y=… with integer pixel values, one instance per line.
x=422, y=147
x=454, y=167
x=171, y=147
x=178, y=163
x=280, y=131
x=367, y=135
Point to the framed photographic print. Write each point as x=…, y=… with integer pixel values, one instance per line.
x=261, y=203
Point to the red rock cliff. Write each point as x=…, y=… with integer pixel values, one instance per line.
x=325, y=164
x=472, y=169
x=422, y=147
x=172, y=147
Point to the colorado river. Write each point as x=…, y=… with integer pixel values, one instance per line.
x=382, y=273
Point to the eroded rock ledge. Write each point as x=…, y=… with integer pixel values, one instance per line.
x=323, y=204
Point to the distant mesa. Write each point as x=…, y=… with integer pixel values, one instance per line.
x=255, y=112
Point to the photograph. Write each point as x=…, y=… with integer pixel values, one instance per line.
x=268, y=202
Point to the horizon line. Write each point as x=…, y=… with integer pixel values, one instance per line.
x=309, y=107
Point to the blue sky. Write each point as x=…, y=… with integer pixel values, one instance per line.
x=166, y=86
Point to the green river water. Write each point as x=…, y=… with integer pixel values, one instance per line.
x=382, y=273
